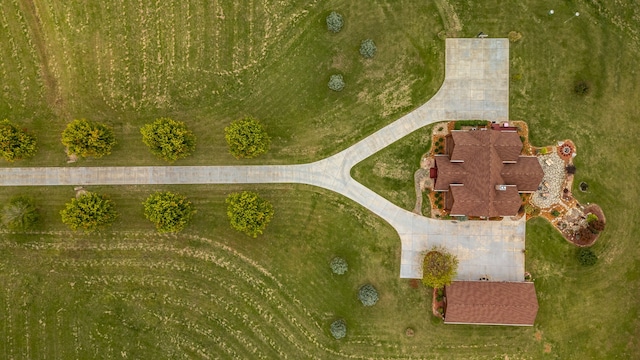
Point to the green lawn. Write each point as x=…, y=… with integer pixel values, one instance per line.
x=211, y=291
x=208, y=63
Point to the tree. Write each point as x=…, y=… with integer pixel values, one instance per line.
x=168, y=139
x=334, y=22
x=87, y=138
x=439, y=268
x=15, y=143
x=246, y=138
x=368, y=295
x=368, y=48
x=89, y=212
x=19, y=214
x=339, y=329
x=170, y=212
x=587, y=257
x=248, y=212
x=339, y=265
x=336, y=82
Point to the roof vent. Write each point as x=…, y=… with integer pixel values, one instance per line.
x=501, y=187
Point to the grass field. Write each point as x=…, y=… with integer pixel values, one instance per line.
x=208, y=63
x=214, y=293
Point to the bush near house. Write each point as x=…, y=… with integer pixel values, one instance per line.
x=439, y=268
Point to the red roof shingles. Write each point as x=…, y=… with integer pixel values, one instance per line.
x=491, y=303
x=480, y=160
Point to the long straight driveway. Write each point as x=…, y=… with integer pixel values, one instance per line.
x=476, y=86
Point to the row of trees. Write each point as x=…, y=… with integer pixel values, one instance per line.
x=168, y=211
x=166, y=138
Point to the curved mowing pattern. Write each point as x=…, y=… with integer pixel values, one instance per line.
x=136, y=296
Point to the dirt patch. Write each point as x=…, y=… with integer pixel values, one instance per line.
x=538, y=335
x=547, y=348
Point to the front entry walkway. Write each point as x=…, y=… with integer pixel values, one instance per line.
x=476, y=86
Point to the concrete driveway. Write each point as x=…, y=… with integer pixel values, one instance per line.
x=476, y=86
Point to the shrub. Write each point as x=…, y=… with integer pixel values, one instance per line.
x=591, y=217
x=529, y=209
x=248, y=212
x=555, y=213
x=334, y=22
x=168, y=139
x=170, y=212
x=339, y=329
x=15, y=143
x=587, y=257
x=89, y=212
x=368, y=295
x=88, y=138
x=339, y=265
x=571, y=169
x=596, y=226
x=367, y=48
x=246, y=138
x=336, y=82
x=544, y=151
x=582, y=88
x=19, y=214
x=439, y=268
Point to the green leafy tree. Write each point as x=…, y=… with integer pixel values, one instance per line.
x=368, y=48
x=15, y=143
x=248, y=212
x=20, y=214
x=89, y=212
x=335, y=22
x=439, y=268
x=247, y=138
x=170, y=212
x=88, y=138
x=168, y=139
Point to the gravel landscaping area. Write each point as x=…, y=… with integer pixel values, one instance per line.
x=550, y=190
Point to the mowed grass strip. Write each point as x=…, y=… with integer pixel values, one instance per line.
x=209, y=63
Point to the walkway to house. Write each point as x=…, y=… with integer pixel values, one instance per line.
x=476, y=86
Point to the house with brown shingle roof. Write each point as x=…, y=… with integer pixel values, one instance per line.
x=482, y=172
x=491, y=303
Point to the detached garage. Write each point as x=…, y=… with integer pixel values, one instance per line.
x=491, y=303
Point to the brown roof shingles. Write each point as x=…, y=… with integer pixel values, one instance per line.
x=491, y=303
x=478, y=163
